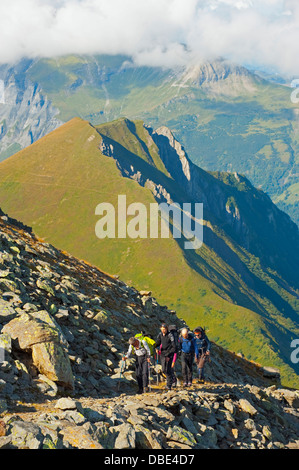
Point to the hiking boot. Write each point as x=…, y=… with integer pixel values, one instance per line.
x=140, y=391
x=185, y=384
x=189, y=384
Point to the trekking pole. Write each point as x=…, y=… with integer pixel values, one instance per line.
x=149, y=376
x=123, y=362
x=157, y=372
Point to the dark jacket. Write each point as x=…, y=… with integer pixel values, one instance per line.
x=167, y=342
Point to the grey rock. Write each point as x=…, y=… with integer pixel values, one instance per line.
x=208, y=438
x=267, y=432
x=249, y=424
x=66, y=404
x=51, y=387
x=178, y=434
x=271, y=372
x=74, y=416
x=93, y=415
x=104, y=435
x=229, y=406
x=290, y=396
x=7, y=311
x=247, y=406
x=146, y=439
x=5, y=442
x=126, y=438
x=25, y=435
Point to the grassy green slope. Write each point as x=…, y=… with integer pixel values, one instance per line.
x=55, y=185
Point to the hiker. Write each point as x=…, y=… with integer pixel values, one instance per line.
x=204, y=346
x=165, y=347
x=173, y=330
x=143, y=359
x=188, y=350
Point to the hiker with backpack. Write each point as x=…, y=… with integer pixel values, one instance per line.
x=173, y=330
x=203, y=346
x=165, y=347
x=188, y=351
x=142, y=352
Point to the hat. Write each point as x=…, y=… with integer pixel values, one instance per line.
x=132, y=340
x=198, y=329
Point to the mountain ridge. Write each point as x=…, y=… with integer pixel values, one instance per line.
x=196, y=183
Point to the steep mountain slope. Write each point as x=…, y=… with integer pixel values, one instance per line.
x=82, y=317
x=228, y=118
x=235, y=284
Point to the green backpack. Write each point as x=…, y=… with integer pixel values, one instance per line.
x=150, y=342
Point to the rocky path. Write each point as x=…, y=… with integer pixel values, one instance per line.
x=214, y=416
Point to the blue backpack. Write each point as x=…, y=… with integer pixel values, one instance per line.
x=187, y=345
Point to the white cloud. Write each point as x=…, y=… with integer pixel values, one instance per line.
x=157, y=32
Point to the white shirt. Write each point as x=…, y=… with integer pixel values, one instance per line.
x=142, y=350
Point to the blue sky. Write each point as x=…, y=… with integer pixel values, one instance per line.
x=263, y=33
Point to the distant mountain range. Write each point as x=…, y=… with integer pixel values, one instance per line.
x=26, y=114
x=227, y=117
x=242, y=283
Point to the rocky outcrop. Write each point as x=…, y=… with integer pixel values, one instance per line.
x=172, y=153
x=40, y=335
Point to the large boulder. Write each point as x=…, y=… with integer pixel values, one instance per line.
x=39, y=333
x=52, y=360
x=29, y=329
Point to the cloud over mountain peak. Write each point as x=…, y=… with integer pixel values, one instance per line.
x=160, y=32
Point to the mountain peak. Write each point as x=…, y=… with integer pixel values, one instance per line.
x=207, y=73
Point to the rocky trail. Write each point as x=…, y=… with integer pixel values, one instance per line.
x=213, y=416
x=64, y=326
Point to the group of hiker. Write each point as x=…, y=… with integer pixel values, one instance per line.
x=169, y=345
